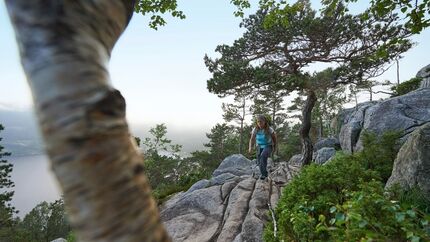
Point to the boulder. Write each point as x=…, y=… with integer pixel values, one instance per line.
x=59, y=240
x=327, y=142
x=324, y=154
x=412, y=164
x=424, y=73
x=295, y=160
x=236, y=165
x=352, y=120
x=199, y=185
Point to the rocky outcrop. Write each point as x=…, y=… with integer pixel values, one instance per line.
x=412, y=165
x=231, y=206
x=424, y=73
x=404, y=113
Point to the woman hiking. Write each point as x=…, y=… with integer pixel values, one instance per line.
x=265, y=138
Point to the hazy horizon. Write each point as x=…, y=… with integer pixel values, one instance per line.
x=22, y=137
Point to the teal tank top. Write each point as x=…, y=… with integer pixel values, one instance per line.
x=261, y=139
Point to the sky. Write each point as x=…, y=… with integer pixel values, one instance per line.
x=161, y=73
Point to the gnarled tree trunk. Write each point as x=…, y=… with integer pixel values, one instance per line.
x=65, y=46
x=306, y=126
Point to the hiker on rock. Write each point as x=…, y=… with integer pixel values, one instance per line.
x=265, y=138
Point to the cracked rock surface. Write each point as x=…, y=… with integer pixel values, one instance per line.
x=232, y=206
x=412, y=165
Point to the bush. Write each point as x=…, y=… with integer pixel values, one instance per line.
x=369, y=216
x=413, y=197
x=164, y=191
x=406, y=87
x=312, y=193
x=379, y=153
x=344, y=200
x=71, y=237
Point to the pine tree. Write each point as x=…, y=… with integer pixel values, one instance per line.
x=6, y=209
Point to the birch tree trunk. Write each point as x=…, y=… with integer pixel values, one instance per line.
x=65, y=47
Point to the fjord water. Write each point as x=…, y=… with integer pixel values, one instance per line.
x=34, y=182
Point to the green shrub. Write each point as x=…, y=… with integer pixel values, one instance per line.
x=164, y=191
x=413, y=197
x=71, y=237
x=187, y=181
x=344, y=200
x=368, y=215
x=379, y=152
x=312, y=193
x=405, y=87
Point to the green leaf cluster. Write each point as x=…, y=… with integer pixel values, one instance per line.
x=241, y=5
x=416, y=13
x=156, y=7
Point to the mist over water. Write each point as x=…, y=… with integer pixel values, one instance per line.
x=34, y=182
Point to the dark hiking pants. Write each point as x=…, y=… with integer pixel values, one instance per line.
x=262, y=156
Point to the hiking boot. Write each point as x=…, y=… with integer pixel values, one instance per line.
x=262, y=177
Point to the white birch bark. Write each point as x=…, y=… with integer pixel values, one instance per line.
x=65, y=46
